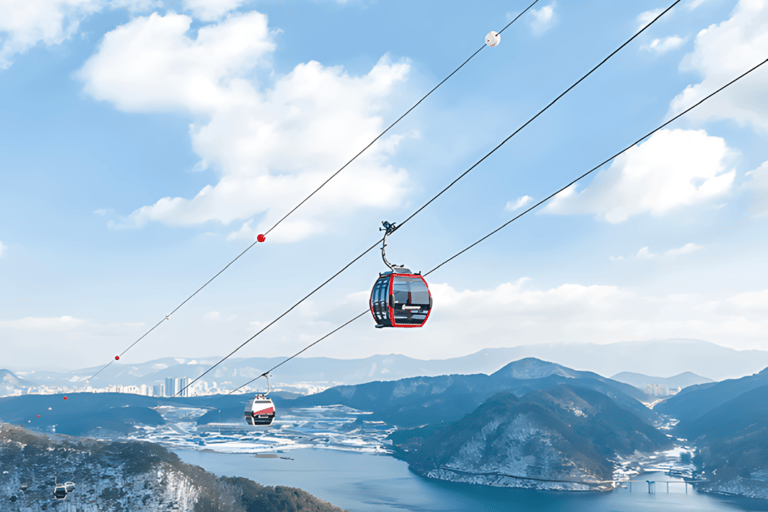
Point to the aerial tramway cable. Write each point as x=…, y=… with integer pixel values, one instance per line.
x=638, y=141
x=262, y=237
x=642, y=29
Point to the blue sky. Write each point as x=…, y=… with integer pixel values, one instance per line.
x=145, y=144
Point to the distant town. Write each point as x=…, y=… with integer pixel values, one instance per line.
x=659, y=390
x=172, y=386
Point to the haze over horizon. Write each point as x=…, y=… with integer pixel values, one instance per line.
x=658, y=359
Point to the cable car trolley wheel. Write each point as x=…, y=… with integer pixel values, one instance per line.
x=400, y=298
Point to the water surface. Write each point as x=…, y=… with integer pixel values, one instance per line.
x=363, y=482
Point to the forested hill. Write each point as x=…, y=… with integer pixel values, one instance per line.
x=420, y=400
x=126, y=477
x=563, y=438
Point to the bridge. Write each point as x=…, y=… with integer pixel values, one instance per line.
x=652, y=484
x=591, y=483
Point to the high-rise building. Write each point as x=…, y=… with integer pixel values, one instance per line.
x=171, y=386
x=158, y=390
x=183, y=383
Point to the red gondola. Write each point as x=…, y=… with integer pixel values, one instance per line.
x=399, y=297
x=260, y=410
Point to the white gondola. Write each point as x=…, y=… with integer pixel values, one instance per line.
x=69, y=486
x=60, y=491
x=493, y=38
x=260, y=410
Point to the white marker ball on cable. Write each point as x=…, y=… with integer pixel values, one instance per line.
x=493, y=38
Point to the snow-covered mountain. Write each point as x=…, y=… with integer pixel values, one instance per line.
x=126, y=477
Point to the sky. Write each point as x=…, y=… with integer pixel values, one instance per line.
x=145, y=143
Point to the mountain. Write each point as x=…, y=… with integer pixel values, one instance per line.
x=733, y=444
x=640, y=381
x=416, y=401
x=695, y=401
x=11, y=384
x=667, y=357
x=561, y=438
x=126, y=477
x=405, y=402
x=107, y=414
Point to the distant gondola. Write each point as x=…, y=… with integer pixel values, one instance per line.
x=400, y=298
x=60, y=492
x=69, y=486
x=260, y=410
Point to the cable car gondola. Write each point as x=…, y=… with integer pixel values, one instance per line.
x=69, y=486
x=399, y=297
x=59, y=491
x=260, y=410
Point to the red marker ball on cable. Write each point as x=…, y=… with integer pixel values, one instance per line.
x=261, y=238
x=38, y=415
x=117, y=358
x=65, y=398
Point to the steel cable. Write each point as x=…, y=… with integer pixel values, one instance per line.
x=638, y=141
x=642, y=29
x=167, y=317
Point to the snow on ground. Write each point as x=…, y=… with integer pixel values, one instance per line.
x=329, y=427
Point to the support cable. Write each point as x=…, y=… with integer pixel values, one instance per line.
x=447, y=187
x=167, y=317
x=638, y=141
x=642, y=29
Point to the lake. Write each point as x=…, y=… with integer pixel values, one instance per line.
x=364, y=482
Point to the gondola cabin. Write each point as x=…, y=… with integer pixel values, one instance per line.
x=69, y=486
x=260, y=411
x=400, y=299
x=60, y=492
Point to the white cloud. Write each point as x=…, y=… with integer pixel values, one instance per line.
x=672, y=169
x=246, y=232
x=519, y=203
x=750, y=300
x=212, y=316
x=210, y=10
x=29, y=323
x=664, y=45
x=543, y=19
x=758, y=185
x=646, y=17
x=2, y=248
x=645, y=253
x=686, y=249
x=27, y=23
x=693, y=4
x=269, y=146
x=520, y=313
x=151, y=65
x=721, y=53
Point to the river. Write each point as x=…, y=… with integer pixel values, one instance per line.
x=365, y=482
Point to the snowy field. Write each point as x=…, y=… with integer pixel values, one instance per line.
x=330, y=427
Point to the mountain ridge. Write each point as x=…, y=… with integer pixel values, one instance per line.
x=680, y=356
